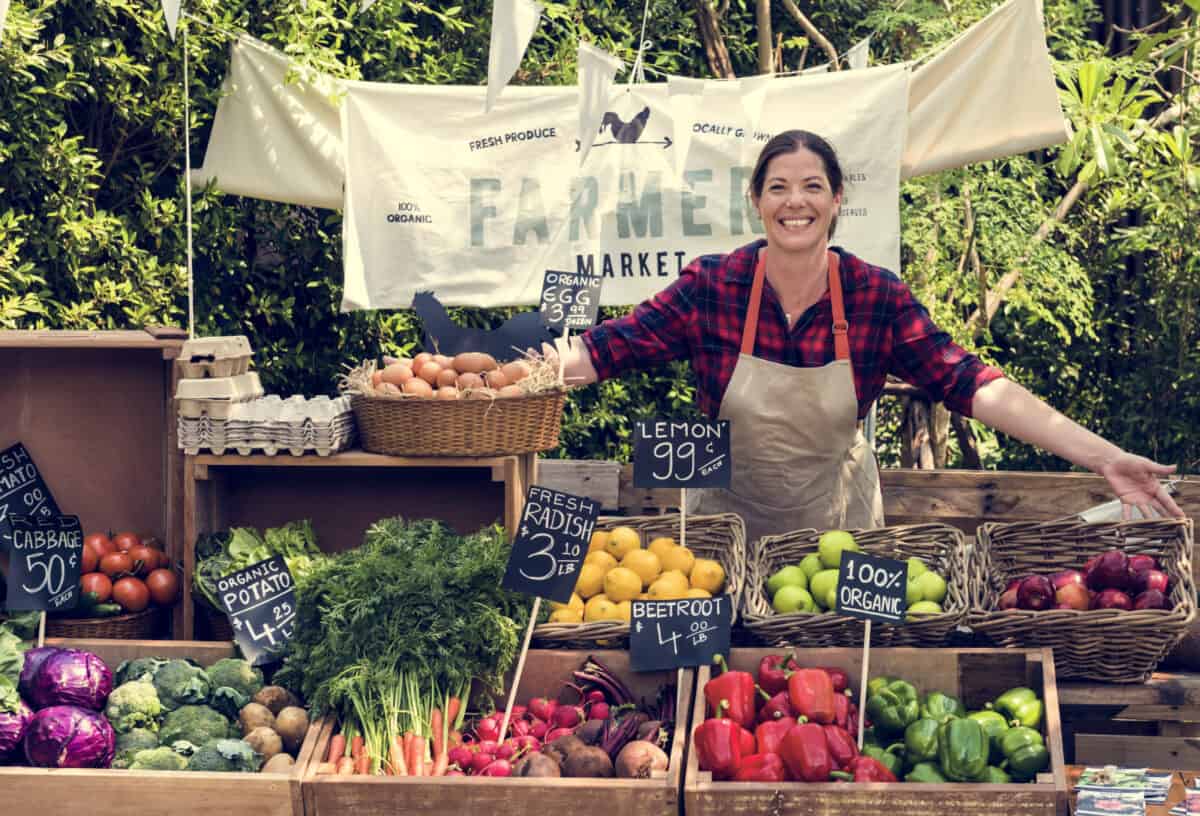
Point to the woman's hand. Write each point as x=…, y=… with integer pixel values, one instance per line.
x=1135, y=480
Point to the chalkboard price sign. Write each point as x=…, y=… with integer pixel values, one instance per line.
x=682, y=453
x=872, y=588
x=260, y=601
x=22, y=491
x=569, y=301
x=673, y=634
x=44, y=563
x=550, y=544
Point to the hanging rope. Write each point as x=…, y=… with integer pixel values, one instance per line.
x=637, y=72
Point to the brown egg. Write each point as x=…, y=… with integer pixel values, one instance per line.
x=377, y=378
x=469, y=380
x=516, y=371
x=474, y=362
x=510, y=391
x=418, y=388
x=447, y=377
x=396, y=374
x=443, y=361
x=448, y=392
x=388, y=389
x=420, y=360
x=429, y=372
x=496, y=379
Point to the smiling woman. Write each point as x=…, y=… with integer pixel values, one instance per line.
x=793, y=340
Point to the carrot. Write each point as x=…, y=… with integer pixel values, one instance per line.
x=399, y=765
x=410, y=754
x=337, y=747
x=356, y=747
x=452, y=706
x=454, y=740
x=362, y=765
x=345, y=766
x=440, y=763
x=419, y=750
x=435, y=728
x=325, y=768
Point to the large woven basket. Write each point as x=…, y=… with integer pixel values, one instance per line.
x=721, y=537
x=1110, y=645
x=145, y=625
x=465, y=427
x=942, y=548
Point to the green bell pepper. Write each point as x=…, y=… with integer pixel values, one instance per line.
x=962, y=749
x=941, y=707
x=1025, y=754
x=891, y=757
x=1022, y=705
x=876, y=683
x=993, y=776
x=994, y=725
x=924, y=772
x=921, y=740
x=893, y=707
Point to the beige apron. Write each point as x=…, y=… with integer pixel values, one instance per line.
x=799, y=459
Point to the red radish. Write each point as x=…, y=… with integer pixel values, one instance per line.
x=500, y=767
x=519, y=711
x=520, y=727
x=595, y=696
x=461, y=756
x=567, y=716
x=481, y=761
x=598, y=711
x=551, y=736
x=488, y=729
x=539, y=728
x=527, y=744
x=542, y=708
x=506, y=750
x=487, y=746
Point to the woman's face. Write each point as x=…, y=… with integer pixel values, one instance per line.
x=797, y=205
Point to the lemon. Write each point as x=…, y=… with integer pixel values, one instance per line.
x=591, y=580
x=696, y=592
x=645, y=564
x=671, y=585
x=567, y=615
x=660, y=545
x=600, y=608
x=708, y=574
x=575, y=603
x=643, y=596
x=601, y=558
x=679, y=558
x=622, y=584
x=621, y=541
x=625, y=610
x=599, y=541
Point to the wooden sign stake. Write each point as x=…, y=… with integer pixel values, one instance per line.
x=516, y=681
x=683, y=517
x=862, y=694
x=42, y=629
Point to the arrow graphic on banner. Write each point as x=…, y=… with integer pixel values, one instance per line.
x=665, y=142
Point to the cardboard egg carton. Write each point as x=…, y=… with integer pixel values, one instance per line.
x=216, y=398
x=215, y=357
x=273, y=425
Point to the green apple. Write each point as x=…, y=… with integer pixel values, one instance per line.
x=831, y=599
x=924, y=608
x=792, y=598
x=811, y=565
x=916, y=567
x=788, y=576
x=830, y=547
x=821, y=583
x=932, y=586
x=913, y=593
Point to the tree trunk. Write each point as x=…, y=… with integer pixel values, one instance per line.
x=915, y=448
x=814, y=34
x=766, y=49
x=714, y=43
x=939, y=434
x=967, y=442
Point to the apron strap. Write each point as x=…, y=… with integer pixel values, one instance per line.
x=841, y=342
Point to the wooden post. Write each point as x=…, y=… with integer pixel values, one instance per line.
x=862, y=694
x=42, y=629
x=683, y=517
x=516, y=681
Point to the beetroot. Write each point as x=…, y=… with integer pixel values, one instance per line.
x=1111, y=571
x=1035, y=592
x=1151, y=599
x=1014, y=583
x=567, y=716
x=1113, y=599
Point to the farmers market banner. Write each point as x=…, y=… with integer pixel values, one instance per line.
x=477, y=206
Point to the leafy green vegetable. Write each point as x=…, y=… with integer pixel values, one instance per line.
x=196, y=724
x=130, y=743
x=137, y=669
x=158, y=759
x=181, y=682
x=133, y=705
x=236, y=674
x=12, y=659
x=225, y=755
x=220, y=554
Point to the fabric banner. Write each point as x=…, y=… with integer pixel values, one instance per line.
x=477, y=207
x=171, y=12
x=596, y=72
x=513, y=24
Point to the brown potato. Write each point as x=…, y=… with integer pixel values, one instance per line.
x=280, y=763
x=418, y=388
x=255, y=715
x=474, y=362
x=265, y=741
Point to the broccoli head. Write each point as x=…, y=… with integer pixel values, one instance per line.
x=183, y=748
x=133, y=705
x=181, y=682
x=229, y=701
x=197, y=724
x=137, y=669
x=130, y=742
x=226, y=755
x=236, y=674
x=158, y=759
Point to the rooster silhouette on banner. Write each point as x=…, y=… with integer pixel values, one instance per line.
x=441, y=335
x=625, y=132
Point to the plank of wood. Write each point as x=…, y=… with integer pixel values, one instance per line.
x=1160, y=713
x=1172, y=689
x=350, y=458
x=1178, y=753
x=599, y=481
x=113, y=652
x=119, y=339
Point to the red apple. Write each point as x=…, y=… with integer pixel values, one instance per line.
x=1073, y=596
x=1091, y=562
x=1061, y=579
x=1151, y=599
x=1137, y=563
x=1008, y=600
x=1150, y=579
x=1113, y=599
x=1014, y=583
x=1092, y=598
x=1111, y=571
x=1035, y=592
x=1063, y=606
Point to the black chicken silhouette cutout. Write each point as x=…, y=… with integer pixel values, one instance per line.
x=625, y=132
x=441, y=335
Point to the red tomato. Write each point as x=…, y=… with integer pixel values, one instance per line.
x=126, y=541
x=100, y=542
x=91, y=558
x=98, y=583
x=116, y=564
x=145, y=560
x=131, y=594
x=164, y=586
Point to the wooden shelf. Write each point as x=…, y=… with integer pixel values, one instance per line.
x=350, y=458
x=1162, y=689
x=168, y=341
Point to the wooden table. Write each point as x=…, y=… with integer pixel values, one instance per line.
x=1178, y=786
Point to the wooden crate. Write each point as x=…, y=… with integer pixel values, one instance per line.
x=973, y=675
x=545, y=672
x=342, y=495
x=95, y=410
x=106, y=792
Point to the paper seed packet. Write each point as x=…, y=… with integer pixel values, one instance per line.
x=1110, y=802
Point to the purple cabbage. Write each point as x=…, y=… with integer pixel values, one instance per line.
x=12, y=728
x=71, y=678
x=34, y=658
x=67, y=736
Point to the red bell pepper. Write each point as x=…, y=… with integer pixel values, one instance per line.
x=840, y=680
x=719, y=745
x=776, y=708
x=761, y=768
x=806, y=754
x=738, y=688
x=747, y=742
x=772, y=675
x=843, y=748
x=811, y=695
x=845, y=713
x=868, y=769
x=769, y=735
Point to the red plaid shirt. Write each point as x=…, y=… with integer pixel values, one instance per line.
x=700, y=317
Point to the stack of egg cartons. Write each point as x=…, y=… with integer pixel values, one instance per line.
x=222, y=407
